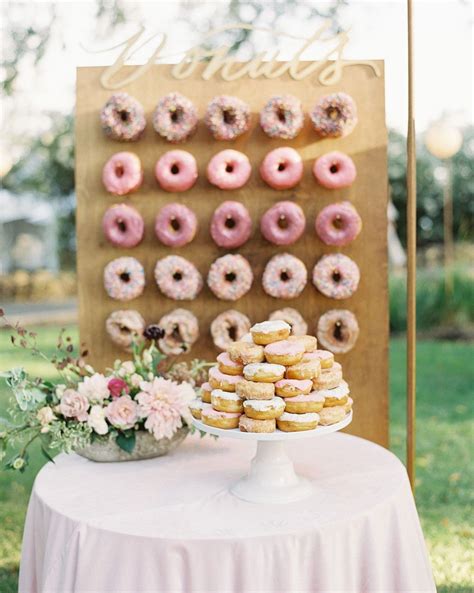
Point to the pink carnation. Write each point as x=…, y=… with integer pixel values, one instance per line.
x=117, y=386
x=74, y=405
x=122, y=412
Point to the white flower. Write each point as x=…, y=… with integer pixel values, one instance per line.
x=45, y=429
x=150, y=376
x=89, y=369
x=60, y=389
x=18, y=463
x=126, y=368
x=94, y=388
x=147, y=357
x=45, y=415
x=97, y=421
x=135, y=380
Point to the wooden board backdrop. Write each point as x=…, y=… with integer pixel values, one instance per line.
x=365, y=367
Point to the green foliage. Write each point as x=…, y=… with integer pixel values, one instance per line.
x=126, y=440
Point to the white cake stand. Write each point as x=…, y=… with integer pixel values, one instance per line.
x=272, y=477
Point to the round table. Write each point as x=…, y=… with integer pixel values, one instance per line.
x=171, y=525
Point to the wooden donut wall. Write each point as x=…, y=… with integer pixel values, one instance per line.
x=365, y=366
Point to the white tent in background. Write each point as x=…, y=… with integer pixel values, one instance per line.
x=396, y=254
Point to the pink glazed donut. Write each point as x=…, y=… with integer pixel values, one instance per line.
x=123, y=226
x=283, y=223
x=335, y=170
x=229, y=169
x=227, y=117
x=282, y=117
x=282, y=168
x=175, y=225
x=334, y=115
x=336, y=276
x=124, y=278
x=338, y=224
x=177, y=278
x=122, y=173
x=176, y=171
x=175, y=118
x=285, y=276
x=231, y=225
x=230, y=277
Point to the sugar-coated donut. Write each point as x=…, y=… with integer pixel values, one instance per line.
x=264, y=372
x=337, y=396
x=282, y=168
x=230, y=277
x=326, y=358
x=302, y=404
x=310, y=343
x=338, y=330
x=336, y=276
x=175, y=118
x=231, y=225
x=218, y=419
x=328, y=378
x=335, y=170
x=284, y=277
x=247, y=424
x=264, y=409
x=338, y=224
x=122, y=173
x=348, y=405
x=219, y=380
x=304, y=370
x=206, y=391
x=229, y=169
x=176, y=171
x=283, y=223
x=331, y=415
x=175, y=225
x=282, y=117
x=227, y=366
x=253, y=390
x=226, y=401
x=293, y=387
x=227, y=117
x=124, y=278
x=181, y=329
x=246, y=352
x=178, y=278
x=293, y=317
x=123, y=118
x=284, y=352
x=267, y=332
x=229, y=327
x=125, y=327
x=123, y=226
x=288, y=422
x=334, y=115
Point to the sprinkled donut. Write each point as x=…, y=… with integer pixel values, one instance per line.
x=122, y=118
x=124, y=278
x=125, y=327
x=336, y=276
x=299, y=327
x=230, y=277
x=335, y=170
x=178, y=278
x=282, y=117
x=338, y=330
x=227, y=117
x=123, y=226
x=282, y=168
x=176, y=171
x=285, y=276
x=231, y=225
x=175, y=225
x=175, y=118
x=338, y=224
x=334, y=115
x=229, y=327
x=181, y=329
x=122, y=173
x=283, y=223
x=229, y=169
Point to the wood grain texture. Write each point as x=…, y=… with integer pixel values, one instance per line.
x=365, y=367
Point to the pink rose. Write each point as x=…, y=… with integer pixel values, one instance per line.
x=122, y=412
x=117, y=387
x=74, y=405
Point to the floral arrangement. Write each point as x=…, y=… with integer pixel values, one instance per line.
x=150, y=392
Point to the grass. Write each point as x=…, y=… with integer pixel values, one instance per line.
x=444, y=470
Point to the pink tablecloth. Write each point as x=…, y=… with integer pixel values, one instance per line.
x=170, y=525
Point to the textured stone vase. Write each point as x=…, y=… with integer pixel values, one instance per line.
x=146, y=447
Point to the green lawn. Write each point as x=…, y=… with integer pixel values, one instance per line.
x=444, y=473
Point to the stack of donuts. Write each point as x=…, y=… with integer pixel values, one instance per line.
x=273, y=380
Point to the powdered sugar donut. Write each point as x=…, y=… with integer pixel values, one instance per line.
x=334, y=115
x=227, y=117
x=175, y=118
x=181, y=329
x=122, y=118
x=338, y=224
x=229, y=169
x=175, y=225
x=178, y=278
x=122, y=173
x=299, y=327
x=336, y=276
x=285, y=276
x=229, y=327
x=231, y=225
x=176, y=171
x=125, y=327
x=335, y=170
x=282, y=168
x=338, y=330
x=282, y=117
x=283, y=223
x=123, y=226
x=124, y=278
x=230, y=277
